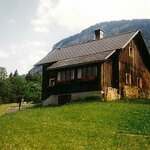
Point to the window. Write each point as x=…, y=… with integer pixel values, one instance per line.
x=94, y=72
x=72, y=74
x=79, y=74
x=89, y=69
x=139, y=82
x=130, y=51
x=128, y=78
x=65, y=75
x=87, y=73
x=52, y=82
x=84, y=72
x=58, y=76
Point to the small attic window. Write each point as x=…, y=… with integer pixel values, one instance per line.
x=131, y=51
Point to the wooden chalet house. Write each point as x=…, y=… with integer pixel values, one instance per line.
x=92, y=67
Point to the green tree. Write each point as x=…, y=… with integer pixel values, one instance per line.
x=33, y=92
x=33, y=89
x=17, y=88
x=36, y=77
x=5, y=90
x=16, y=73
x=10, y=75
x=3, y=73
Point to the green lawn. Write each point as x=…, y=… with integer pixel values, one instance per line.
x=90, y=126
x=3, y=108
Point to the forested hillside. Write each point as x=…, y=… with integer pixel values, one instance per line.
x=110, y=28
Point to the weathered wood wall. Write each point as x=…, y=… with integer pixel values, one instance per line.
x=133, y=64
x=106, y=75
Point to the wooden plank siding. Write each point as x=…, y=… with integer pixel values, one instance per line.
x=132, y=63
x=106, y=75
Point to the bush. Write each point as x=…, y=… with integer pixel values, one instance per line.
x=91, y=98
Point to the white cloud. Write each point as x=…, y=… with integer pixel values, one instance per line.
x=45, y=16
x=3, y=54
x=22, y=56
x=11, y=21
x=54, y=20
x=78, y=14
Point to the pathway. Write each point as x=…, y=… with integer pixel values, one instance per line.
x=15, y=107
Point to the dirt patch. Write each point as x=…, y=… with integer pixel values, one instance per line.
x=15, y=108
x=12, y=109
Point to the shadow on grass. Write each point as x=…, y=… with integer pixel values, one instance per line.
x=137, y=101
x=94, y=99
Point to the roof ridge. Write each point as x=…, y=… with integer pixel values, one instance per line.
x=92, y=47
x=94, y=40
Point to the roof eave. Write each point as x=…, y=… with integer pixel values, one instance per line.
x=130, y=39
x=110, y=54
x=75, y=65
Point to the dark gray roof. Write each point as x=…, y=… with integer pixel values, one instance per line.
x=88, y=48
x=81, y=60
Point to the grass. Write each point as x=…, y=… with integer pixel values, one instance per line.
x=121, y=125
x=3, y=108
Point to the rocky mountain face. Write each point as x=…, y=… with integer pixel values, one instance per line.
x=109, y=28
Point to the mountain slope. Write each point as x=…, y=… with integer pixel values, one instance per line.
x=110, y=28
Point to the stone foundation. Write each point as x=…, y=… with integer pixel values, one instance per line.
x=130, y=92
x=53, y=99
x=135, y=92
x=144, y=93
x=111, y=94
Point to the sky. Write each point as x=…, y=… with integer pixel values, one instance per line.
x=30, y=28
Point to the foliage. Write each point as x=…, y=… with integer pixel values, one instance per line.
x=97, y=125
x=4, y=90
x=92, y=98
x=3, y=73
x=16, y=73
x=36, y=77
x=33, y=92
x=15, y=88
x=18, y=88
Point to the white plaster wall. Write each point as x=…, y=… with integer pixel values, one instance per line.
x=51, y=100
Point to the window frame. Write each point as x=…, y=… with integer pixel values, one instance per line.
x=51, y=82
x=128, y=79
x=139, y=82
x=72, y=74
x=65, y=75
x=131, y=49
x=87, y=73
